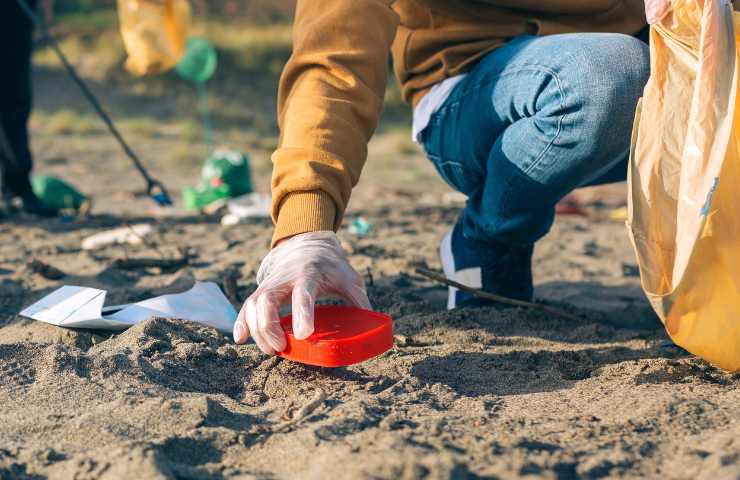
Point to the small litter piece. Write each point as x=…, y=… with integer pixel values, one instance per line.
x=225, y=174
x=360, y=226
x=47, y=271
x=619, y=214
x=131, y=235
x=164, y=264
x=244, y=207
x=82, y=307
x=56, y=193
x=629, y=270
x=570, y=205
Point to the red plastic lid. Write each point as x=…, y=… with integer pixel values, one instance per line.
x=342, y=336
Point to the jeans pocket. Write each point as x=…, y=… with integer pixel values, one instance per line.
x=455, y=174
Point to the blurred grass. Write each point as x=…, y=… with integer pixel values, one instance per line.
x=159, y=114
x=252, y=49
x=67, y=122
x=243, y=91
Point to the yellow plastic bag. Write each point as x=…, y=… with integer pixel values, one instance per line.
x=684, y=180
x=154, y=33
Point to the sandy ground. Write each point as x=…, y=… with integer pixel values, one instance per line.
x=475, y=393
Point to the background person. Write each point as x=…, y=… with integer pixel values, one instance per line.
x=16, y=42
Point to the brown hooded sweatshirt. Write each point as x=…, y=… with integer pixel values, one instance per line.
x=331, y=90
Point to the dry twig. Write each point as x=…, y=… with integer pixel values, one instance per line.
x=47, y=271
x=169, y=264
x=496, y=298
x=306, y=410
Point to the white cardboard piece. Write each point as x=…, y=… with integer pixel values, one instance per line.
x=251, y=205
x=82, y=307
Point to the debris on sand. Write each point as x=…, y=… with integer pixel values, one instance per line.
x=497, y=298
x=47, y=271
x=129, y=234
x=246, y=207
x=164, y=264
x=318, y=399
x=360, y=226
x=83, y=307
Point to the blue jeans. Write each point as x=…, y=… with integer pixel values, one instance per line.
x=532, y=121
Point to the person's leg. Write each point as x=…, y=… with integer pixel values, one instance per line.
x=532, y=121
x=16, y=42
x=15, y=98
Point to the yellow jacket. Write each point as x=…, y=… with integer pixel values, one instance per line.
x=331, y=90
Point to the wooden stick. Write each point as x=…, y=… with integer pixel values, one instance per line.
x=305, y=411
x=495, y=298
x=50, y=272
x=163, y=263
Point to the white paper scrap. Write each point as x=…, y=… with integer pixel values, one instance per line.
x=132, y=234
x=251, y=205
x=82, y=307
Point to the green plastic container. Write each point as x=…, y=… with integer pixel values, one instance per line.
x=56, y=193
x=225, y=174
x=360, y=226
x=199, y=61
x=228, y=167
x=198, y=197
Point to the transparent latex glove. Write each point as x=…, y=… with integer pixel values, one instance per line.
x=655, y=10
x=300, y=269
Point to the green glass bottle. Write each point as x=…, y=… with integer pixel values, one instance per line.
x=56, y=193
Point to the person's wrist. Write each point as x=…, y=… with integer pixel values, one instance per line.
x=302, y=212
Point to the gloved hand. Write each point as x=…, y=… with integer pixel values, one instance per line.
x=655, y=10
x=301, y=268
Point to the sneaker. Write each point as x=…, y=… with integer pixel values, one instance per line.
x=497, y=268
x=18, y=197
x=33, y=205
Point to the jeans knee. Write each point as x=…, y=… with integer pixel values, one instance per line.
x=620, y=73
x=613, y=71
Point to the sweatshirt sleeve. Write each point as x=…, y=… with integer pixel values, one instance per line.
x=329, y=100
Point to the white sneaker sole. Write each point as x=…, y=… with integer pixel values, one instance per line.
x=471, y=277
x=448, y=266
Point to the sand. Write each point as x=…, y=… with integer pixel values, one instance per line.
x=474, y=393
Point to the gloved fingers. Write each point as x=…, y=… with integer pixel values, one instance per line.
x=303, y=301
x=252, y=323
x=349, y=285
x=241, y=330
x=299, y=268
x=355, y=295
x=268, y=322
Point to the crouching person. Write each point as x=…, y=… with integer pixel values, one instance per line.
x=516, y=103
